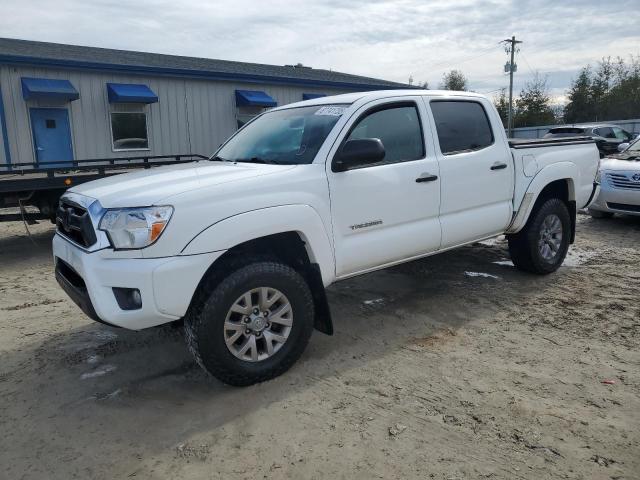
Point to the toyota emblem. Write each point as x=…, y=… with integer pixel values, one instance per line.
x=636, y=177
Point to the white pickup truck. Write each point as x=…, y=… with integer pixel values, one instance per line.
x=242, y=246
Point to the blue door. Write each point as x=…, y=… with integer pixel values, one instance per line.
x=51, y=137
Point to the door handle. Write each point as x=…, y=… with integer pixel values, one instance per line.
x=426, y=178
x=498, y=166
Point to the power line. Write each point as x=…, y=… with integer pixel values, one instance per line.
x=533, y=72
x=447, y=64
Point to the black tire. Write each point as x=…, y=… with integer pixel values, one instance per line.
x=523, y=246
x=599, y=214
x=204, y=323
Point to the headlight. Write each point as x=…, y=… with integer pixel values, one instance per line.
x=132, y=228
x=599, y=176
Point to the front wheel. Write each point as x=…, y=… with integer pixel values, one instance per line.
x=253, y=325
x=541, y=246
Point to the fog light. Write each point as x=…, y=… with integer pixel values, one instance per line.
x=128, y=298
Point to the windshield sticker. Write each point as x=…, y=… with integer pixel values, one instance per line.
x=334, y=111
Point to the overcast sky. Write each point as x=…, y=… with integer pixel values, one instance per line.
x=385, y=39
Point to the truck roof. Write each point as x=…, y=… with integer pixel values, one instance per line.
x=349, y=98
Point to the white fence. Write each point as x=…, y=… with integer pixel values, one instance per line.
x=632, y=126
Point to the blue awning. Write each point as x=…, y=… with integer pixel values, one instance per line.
x=311, y=96
x=254, y=98
x=48, y=89
x=130, y=93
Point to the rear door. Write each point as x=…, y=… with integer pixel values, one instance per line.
x=476, y=170
x=388, y=211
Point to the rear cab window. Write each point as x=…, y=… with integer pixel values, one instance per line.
x=565, y=132
x=462, y=126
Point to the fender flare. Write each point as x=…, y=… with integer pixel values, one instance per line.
x=558, y=171
x=243, y=227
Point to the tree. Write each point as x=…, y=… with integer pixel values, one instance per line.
x=533, y=106
x=501, y=102
x=580, y=105
x=612, y=92
x=454, y=80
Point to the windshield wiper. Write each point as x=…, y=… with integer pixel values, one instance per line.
x=258, y=160
x=218, y=159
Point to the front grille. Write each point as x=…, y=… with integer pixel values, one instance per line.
x=623, y=206
x=74, y=223
x=622, y=180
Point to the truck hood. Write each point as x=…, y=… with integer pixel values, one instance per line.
x=149, y=187
x=617, y=164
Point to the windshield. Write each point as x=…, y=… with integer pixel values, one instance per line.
x=634, y=147
x=290, y=137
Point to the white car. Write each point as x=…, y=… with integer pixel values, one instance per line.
x=242, y=246
x=619, y=178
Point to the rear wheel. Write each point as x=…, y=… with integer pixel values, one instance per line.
x=541, y=246
x=253, y=325
x=600, y=214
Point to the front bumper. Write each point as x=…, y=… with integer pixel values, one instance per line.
x=166, y=285
x=616, y=200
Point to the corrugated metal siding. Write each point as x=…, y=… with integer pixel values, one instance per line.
x=191, y=116
x=3, y=157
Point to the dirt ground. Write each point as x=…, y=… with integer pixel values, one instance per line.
x=456, y=366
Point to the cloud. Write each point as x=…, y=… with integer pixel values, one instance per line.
x=385, y=39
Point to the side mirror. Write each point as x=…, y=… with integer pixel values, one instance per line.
x=364, y=151
x=623, y=146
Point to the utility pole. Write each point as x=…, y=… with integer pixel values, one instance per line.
x=513, y=42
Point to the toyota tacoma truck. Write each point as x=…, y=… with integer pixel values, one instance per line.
x=241, y=246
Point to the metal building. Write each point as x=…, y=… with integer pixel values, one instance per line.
x=62, y=102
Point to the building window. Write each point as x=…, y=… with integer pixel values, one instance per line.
x=246, y=114
x=129, y=131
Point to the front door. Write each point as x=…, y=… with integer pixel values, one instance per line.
x=51, y=137
x=386, y=212
x=477, y=171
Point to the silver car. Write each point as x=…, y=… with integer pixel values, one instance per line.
x=619, y=177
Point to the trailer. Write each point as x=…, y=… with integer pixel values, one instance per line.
x=25, y=185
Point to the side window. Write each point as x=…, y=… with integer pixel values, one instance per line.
x=621, y=134
x=462, y=126
x=606, y=132
x=398, y=127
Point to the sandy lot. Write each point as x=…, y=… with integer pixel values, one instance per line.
x=434, y=372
